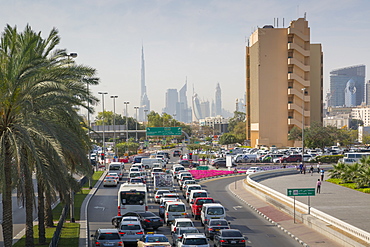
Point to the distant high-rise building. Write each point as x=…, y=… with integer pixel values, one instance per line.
x=196, y=106
x=284, y=83
x=350, y=94
x=218, y=102
x=144, y=100
x=204, y=106
x=171, y=102
x=183, y=113
x=338, y=82
x=367, y=93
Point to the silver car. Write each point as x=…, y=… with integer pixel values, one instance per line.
x=106, y=237
x=130, y=231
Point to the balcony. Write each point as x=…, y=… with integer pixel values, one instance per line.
x=296, y=62
x=293, y=121
x=303, y=36
x=293, y=46
x=302, y=81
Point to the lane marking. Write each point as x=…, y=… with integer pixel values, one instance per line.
x=236, y=207
x=98, y=207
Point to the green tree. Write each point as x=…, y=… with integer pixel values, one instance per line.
x=39, y=86
x=239, y=117
x=295, y=134
x=227, y=139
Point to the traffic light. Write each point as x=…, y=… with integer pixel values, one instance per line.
x=102, y=156
x=190, y=156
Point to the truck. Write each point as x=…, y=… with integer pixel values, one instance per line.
x=163, y=182
x=245, y=158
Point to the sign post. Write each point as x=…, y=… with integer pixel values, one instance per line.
x=301, y=192
x=164, y=131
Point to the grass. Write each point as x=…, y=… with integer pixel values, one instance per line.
x=348, y=185
x=70, y=231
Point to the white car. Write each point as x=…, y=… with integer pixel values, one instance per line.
x=252, y=170
x=181, y=222
x=158, y=195
x=110, y=181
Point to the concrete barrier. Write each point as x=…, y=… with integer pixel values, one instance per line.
x=317, y=220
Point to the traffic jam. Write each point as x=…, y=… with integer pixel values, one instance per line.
x=186, y=215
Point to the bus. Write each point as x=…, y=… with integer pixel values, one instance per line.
x=132, y=198
x=355, y=155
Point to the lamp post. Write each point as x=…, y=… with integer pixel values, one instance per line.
x=126, y=103
x=136, y=108
x=146, y=124
x=72, y=211
x=303, y=92
x=102, y=96
x=114, y=97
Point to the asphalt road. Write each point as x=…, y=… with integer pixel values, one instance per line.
x=259, y=232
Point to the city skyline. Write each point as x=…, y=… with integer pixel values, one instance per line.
x=203, y=41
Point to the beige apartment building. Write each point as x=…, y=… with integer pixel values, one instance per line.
x=284, y=83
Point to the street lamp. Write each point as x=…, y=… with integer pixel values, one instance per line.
x=126, y=103
x=146, y=124
x=102, y=96
x=114, y=97
x=303, y=92
x=136, y=108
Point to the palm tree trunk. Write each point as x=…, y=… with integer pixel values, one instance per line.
x=29, y=206
x=41, y=210
x=48, y=210
x=7, y=202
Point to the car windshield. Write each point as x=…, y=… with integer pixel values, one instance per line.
x=109, y=236
x=185, y=224
x=195, y=241
x=115, y=167
x=218, y=223
x=199, y=194
x=215, y=211
x=176, y=208
x=202, y=201
x=182, y=231
x=156, y=239
x=130, y=227
x=232, y=234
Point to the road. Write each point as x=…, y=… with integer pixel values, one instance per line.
x=103, y=206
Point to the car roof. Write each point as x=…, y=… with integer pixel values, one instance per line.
x=176, y=202
x=183, y=219
x=212, y=205
x=194, y=235
x=155, y=235
x=195, y=191
x=133, y=222
x=108, y=230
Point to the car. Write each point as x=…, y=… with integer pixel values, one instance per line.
x=110, y=181
x=197, y=205
x=134, y=169
x=229, y=237
x=349, y=161
x=217, y=160
x=153, y=240
x=187, y=163
x=137, y=180
x=158, y=195
x=184, y=185
x=291, y=158
x=114, y=174
x=184, y=178
x=106, y=237
x=147, y=219
x=173, y=196
x=130, y=231
x=190, y=188
x=176, y=153
x=177, y=234
x=193, y=239
x=162, y=205
x=222, y=163
x=253, y=169
x=181, y=222
x=215, y=225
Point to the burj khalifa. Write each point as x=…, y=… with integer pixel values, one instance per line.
x=144, y=100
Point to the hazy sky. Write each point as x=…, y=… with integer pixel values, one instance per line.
x=202, y=40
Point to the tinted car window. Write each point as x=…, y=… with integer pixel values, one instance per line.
x=202, y=201
x=232, y=234
x=176, y=208
x=218, y=222
x=215, y=211
x=195, y=241
x=147, y=214
x=130, y=227
x=182, y=231
x=156, y=239
x=109, y=236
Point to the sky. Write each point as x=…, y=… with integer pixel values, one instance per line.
x=201, y=41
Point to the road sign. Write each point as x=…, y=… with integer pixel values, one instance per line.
x=301, y=192
x=163, y=131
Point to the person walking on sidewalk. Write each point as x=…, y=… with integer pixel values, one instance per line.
x=322, y=174
x=318, y=186
x=311, y=170
x=318, y=167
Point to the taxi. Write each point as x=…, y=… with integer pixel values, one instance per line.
x=153, y=240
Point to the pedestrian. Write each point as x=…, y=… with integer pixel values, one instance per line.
x=304, y=169
x=318, y=186
x=235, y=170
x=318, y=167
x=322, y=174
x=311, y=170
x=301, y=168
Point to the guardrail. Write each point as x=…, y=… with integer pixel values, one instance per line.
x=285, y=203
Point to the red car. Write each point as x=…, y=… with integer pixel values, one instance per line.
x=197, y=205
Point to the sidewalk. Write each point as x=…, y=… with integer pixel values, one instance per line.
x=302, y=233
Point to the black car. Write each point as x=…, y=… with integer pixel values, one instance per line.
x=221, y=163
x=187, y=163
x=147, y=219
x=229, y=237
x=214, y=226
x=176, y=153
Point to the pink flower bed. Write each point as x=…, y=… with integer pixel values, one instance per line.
x=198, y=174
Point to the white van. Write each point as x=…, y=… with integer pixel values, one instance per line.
x=118, y=168
x=212, y=211
x=148, y=163
x=197, y=193
x=173, y=211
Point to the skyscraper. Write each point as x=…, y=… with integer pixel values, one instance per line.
x=350, y=94
x=171, y=102
x=338, y=82
x=183, y=112
x=144, y=100
x=284, y=83
x=218, y=102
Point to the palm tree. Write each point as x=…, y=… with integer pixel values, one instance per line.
x=37, y=89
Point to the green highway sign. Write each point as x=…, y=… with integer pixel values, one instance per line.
x=163, y=131
x=301, y=192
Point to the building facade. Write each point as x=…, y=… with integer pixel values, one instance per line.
x=284, y=83
x=361, y=113
x=171, y=102
x=338, y=81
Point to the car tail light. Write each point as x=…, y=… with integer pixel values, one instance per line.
x=119, y=211
x=122, y=233
x=242, y=241
x=140, y=233
x=120, y=243
x=161, y=206
x=210, y=229
x=97, y=244
x=174, y=229
x=167, y=214
x=146, y=220
x=223, y=241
